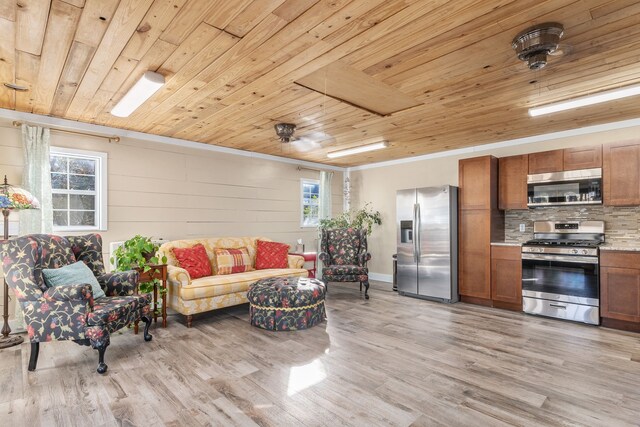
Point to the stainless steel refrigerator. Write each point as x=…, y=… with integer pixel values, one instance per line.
x=427, y=221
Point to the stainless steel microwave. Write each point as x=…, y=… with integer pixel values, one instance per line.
x=579, y=187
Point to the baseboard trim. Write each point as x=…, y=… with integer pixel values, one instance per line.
x=381, y=277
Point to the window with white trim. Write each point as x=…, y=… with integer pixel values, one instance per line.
x=310, y=202
x=79, y=189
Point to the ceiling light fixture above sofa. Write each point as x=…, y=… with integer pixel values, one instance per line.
x=357, y=150
x=144, y=88
x=582, y=101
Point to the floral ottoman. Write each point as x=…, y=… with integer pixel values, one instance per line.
x=286, y=303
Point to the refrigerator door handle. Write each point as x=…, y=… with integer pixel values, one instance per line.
x=417, y=236
x=414, y=234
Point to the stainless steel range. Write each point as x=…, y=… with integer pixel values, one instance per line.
x=560, y=270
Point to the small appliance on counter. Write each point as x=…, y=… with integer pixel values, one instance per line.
x=577, y=187
x=560, y=270
x=427, y=241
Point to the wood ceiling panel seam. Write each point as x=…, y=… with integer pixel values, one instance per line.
x=31, y=23
x=126, y=19
x=248, y=18
x=59, y=35
x=189, y=18
x=27, y=66
x=155, y=22
x=75, y=66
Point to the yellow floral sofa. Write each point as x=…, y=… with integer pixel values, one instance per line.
x=189, y=297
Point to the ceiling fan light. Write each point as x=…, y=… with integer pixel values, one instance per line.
x=583, y=101
x=357, y=150
x=144, y=88
x=285, y=131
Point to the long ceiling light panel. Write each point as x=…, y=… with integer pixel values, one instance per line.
x=144, y=88
x=597, y=98
x=358, y=150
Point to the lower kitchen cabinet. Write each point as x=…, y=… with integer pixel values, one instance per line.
x=506, y=277
x=620, y=289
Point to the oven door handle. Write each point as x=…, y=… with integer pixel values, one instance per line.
x=569, y=258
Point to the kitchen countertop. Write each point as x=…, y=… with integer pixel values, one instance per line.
x=620, y=246
x=507, y=244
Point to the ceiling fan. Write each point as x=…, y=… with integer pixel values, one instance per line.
x=308, y=142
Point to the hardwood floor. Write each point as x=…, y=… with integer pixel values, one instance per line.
x=391, y=360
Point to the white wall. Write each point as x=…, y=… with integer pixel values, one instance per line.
x=379, y=185
x=174, y=192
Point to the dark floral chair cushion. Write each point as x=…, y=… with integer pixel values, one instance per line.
x=69, y=312
x=286, y=303
x=344, y=255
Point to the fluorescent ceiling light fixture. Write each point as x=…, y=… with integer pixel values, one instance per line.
x=597, y=98
x=144, y=88
x=357, y=150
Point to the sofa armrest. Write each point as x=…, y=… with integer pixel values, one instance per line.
x=120, y=283
x=178, y=275
x=296, y=261
x=76, y=293
x=324, y=257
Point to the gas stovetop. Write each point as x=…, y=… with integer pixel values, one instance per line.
x=566, y=238
x=564, y=242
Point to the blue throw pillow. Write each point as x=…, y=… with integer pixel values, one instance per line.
x=73, y=274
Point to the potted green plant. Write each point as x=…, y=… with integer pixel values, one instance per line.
x=138, y=252
x=363, y=218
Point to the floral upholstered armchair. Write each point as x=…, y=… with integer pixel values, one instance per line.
x=69, y=312
x=344, y=255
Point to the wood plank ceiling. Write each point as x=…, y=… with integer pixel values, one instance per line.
x=231, y=68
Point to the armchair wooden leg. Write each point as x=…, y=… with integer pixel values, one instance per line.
x=366, y=289
x=189, y=320
x=102, y=367
x=33, y=359
x=147, y=323
x=360, y=286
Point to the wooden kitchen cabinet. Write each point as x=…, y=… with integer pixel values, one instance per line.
x=621, y=173
x=475, y=254
x=512, y=182
x=582, y=158
x=480, y=222
x=620, y=289
x=478, y=181
x=546, y=161
x=506, y=277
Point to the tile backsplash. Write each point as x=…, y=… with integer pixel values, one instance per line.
x=622, y=224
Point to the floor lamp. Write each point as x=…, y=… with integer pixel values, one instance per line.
x=12, y=198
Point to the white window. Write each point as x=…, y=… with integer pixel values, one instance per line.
x=79, y=187
x=310, y=192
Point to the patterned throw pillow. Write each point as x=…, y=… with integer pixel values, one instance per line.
x=231, y=261
x=271, y=255
x=194, y=260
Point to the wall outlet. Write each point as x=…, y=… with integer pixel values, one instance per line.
x=522, y=228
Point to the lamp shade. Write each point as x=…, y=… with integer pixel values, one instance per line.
x=13, y=197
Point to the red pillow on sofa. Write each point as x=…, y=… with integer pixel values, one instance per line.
x=271, y=255
x=194, y=260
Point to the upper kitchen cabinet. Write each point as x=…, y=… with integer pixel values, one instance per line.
x=478, y=182
x=512, y=191
x=621, y=173
x=568, y=159
x=546, y=161
x=582, y=158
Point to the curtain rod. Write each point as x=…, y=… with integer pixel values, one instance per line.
x=73, y=132
x=303, y=168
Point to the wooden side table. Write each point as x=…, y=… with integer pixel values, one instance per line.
x=157, y=272
x=309, y=257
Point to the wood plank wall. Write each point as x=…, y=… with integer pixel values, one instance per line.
x=174, y=192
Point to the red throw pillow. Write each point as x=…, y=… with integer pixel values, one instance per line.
x=194, y=260
x=271, y=255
